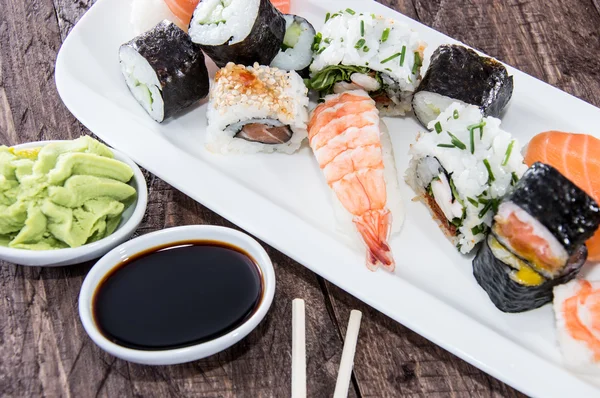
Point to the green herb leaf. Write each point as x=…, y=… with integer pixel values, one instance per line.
x=438, y=127
x=472, y=139
x=362, y=28
x=388, y=59
x=455, y=192
x=317, y=41
x=350, y=11
x=479, y=229
x=514, y=179
x=455, y=114
x=402, y=55
x=457, y=222
x=473, y=201
x=446, y=146
x=327, y=16
x=491, y=177
x=508, y=152
x=485, y=209
x=479, y=126
x=324, y=80
x=360, y=43
x=385, y=35
x=327, y=40
x=417, y=63
x=321, y=50
x=457, y=143
x=366, y=49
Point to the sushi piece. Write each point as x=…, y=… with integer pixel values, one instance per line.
x=461, y=169
x=577, y=157
x=536, y=241
x=296, y=49
x=238, y=31
x=511, y=282
x=256, y=108
x=182, y=9
x=164, y=70
x=344, y=134
x=577, y=312
x=146, y=14
x=282, y=5
x=363, y=51
x=459, y=74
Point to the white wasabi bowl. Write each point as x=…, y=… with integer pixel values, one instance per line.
x=131, y=218
x=164, y=237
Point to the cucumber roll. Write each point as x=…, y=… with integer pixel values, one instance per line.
x=459, y=74
x=238, y=31
x=164, y=70
x=296, y=49
x=461, y=169
x=367, y=52
x=537, y=240
x=256, y=109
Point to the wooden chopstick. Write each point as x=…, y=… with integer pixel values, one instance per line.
x=347, y=361
x=298, y=350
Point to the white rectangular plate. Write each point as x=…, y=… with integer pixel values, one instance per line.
x=284, y=201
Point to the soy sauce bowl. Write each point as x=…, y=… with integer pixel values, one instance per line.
x=121, y=254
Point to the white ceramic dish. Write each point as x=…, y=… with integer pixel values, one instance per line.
x=131, y=218
x=164, y=237
x=284, y=201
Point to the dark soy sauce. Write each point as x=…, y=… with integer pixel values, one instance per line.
x=177, y=295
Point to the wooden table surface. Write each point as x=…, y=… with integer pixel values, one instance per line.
x=43, y=347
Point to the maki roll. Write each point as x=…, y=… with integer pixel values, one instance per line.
x=539, y=231
x=256, y=108
x=238, y=31
x=461, y=169
x=296, y=49
x=459, y=74
x=164, y=70
x=367, y=52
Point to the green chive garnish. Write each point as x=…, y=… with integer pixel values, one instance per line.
x=485, y=209
x=479, y=229
x=360, y=43
x=317, y=41
x=508, y=152
x=327, y=16
x=438, y=127
x=491, y=177
x=457, y=143
x=473, y=202
x=417, y=63
x=402, y=55
x=455, y=114
x=321, y=50
x=514, y=178
x=366, y=49
x=445, y=146
x=390, y=58
x=327, y=40
x=362, y=28
x=479, y=126
x=385, y=35
x=454, y=192
x=350, y=11
x=471, y=134
x=388, y=69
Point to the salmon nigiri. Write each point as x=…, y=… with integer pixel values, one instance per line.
x=344, y=135
x=577, y=157
x=183, y=9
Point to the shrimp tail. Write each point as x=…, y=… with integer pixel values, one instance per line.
x=374, y=226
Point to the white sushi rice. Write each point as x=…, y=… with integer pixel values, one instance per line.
x=468, y=170
x=142, y=82
x=274, y=95
x=344, y=42
x=216, y=22
x=577, y=355
x=394, y=201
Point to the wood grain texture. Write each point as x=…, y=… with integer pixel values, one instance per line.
x=43, y=347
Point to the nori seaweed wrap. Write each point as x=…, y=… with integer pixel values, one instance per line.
x=518, y=290
x=537, y=240
x=457, y=73
x=164, y=70
x=253, y=31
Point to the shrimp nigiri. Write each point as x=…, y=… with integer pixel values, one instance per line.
x=344, y=135
x=577, y=157
x=577, y=310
